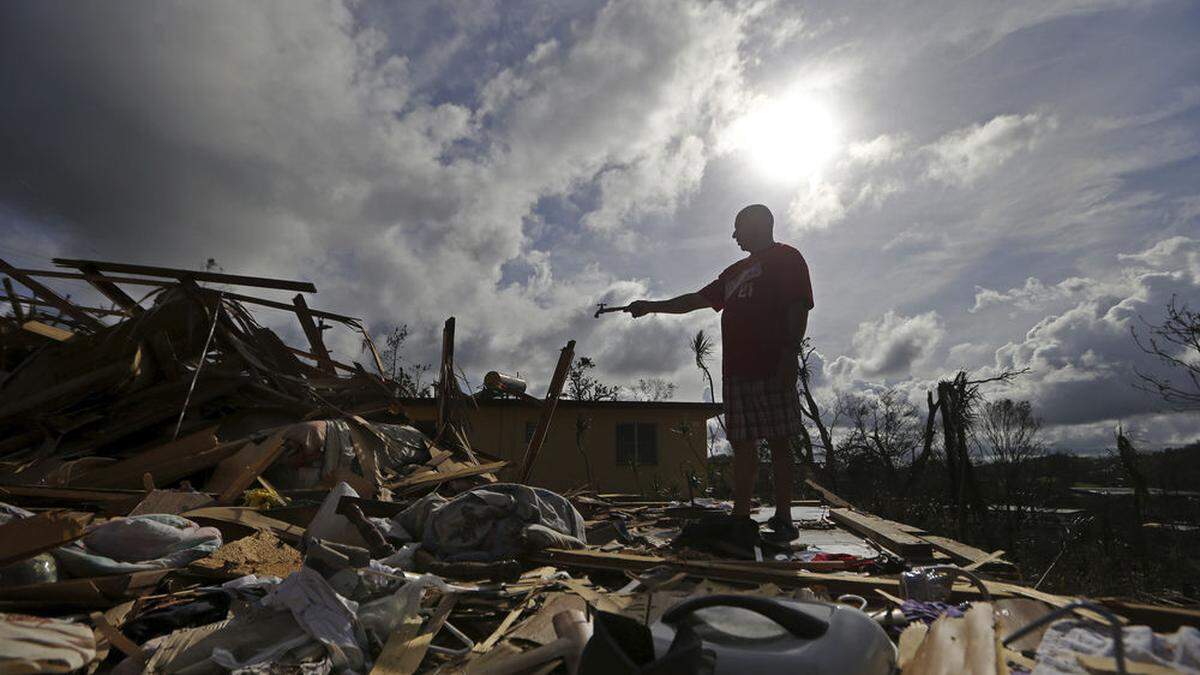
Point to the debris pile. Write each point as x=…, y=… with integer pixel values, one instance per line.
x=182, y=491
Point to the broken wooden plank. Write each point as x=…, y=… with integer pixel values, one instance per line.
x=164, y=462
x=408, y=651
x=960, y=552
x=313, y=333
x=67, y=494
x=248, y=518
x=447, y=382
x=829, y=497
x=248, y=299
x=393, y=659
x=633, y=562
x=194, y=275
x=110, y=290
x=95, y=592
x=59, y=302
x=46, y=330
x=172, y=502
x=26, y=537
x=235, y=475
x=18, y=313
x=1162, y=618
x=884, y=533
x=100, y=378
x=96, y=311
x=565, y=357
x=427, y=478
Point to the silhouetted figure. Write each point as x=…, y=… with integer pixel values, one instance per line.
x=765, y=298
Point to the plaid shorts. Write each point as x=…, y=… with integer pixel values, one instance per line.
x=761, y=408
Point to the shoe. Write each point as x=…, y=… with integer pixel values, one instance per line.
x=783, y=531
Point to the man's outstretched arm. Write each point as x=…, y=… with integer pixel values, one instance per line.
x=688, y=302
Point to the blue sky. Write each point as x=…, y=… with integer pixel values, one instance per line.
x=975, y=184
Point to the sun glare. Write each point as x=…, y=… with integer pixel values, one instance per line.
x=787, y=139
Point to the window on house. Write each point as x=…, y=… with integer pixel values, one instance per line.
x=637, y=440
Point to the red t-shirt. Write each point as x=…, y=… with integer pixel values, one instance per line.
x=755, y=293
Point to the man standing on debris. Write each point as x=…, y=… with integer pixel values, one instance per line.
x=766, y=298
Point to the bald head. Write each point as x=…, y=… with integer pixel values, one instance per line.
x=753, y=228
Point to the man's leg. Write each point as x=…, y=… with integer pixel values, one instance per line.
x=781, y=467
x=745, y=471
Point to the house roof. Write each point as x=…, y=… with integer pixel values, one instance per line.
x=703, y=407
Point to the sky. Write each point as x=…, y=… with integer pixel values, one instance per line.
x=975, y=185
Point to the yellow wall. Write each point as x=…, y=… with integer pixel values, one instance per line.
x=500, y=430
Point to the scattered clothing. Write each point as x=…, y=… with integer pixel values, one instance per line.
x=136, y=544
x=1065, y=641
x=493, y=522
x=32, y=644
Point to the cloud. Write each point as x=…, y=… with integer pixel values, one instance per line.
x=1082, y=361
x=965, y=155
x=890, y=347
x=1034, y=295
x=915, y=240
x=293, y=139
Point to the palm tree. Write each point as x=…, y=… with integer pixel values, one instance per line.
x=702, y=349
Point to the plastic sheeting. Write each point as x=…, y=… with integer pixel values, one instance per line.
x=495, y=521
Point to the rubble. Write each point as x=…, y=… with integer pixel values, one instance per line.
x=185, y=492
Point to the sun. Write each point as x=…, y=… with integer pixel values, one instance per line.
x=788, y=139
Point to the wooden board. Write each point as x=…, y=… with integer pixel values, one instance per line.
x=167, y=463
x=965, y=553
x=63, y=305
x=27, y=537
x=248, y=518
x=95, y=592
x=884, y=533
x=46, y=330
x=236, y=474
x=171, y=502
x=194, y=275
x=433, y=477
x=747, y=572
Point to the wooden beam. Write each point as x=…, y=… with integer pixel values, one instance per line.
x=324, y=362
x=829, y=497
x=111, y=290
x=47, y=331
x=434, y=477
x=374, y=352
x=248, y=299
x=18, y=313
x=62, y=304
x=748, y=572
x=194, y=275
x=26, y=537
x=68, y=494
x=319, y=313
x=235, y=475
x=446, y=379
x=62, y=274
x=965, y=554
x=167, y=463
x=33, y=302
x=77, y=386
x=884, y=533
x=565, y=357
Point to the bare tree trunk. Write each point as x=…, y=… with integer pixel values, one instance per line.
x=918, y=465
